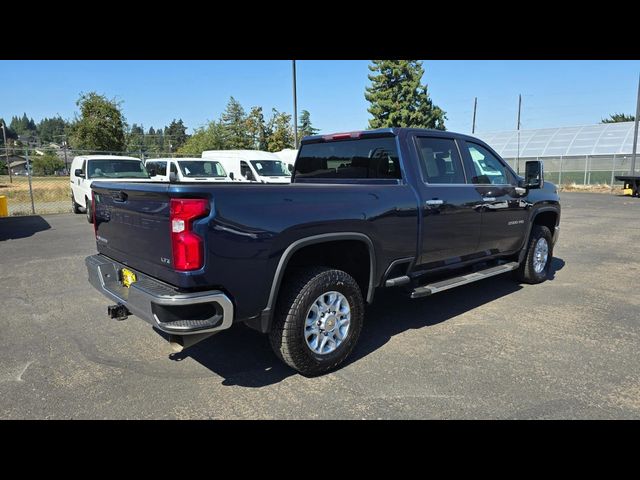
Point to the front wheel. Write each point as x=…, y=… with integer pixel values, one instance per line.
x=75, y=208
x=535, y=267
x=318, y=320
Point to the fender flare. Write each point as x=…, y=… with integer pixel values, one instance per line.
x=267, y=313
x=535, y=213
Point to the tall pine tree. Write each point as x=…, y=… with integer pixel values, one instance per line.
x=398, y=98
x=234, y=123
x=305, y=128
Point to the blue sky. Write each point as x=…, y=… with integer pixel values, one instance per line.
x=554, y=93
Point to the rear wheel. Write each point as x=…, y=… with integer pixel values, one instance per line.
x=75, y=208
x=535, y=267
x=88, y=210
x=318, y=320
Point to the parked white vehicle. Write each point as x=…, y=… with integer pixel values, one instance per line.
x=251, y=165
x=288, y=156
x=86, y=169
x=186, y=170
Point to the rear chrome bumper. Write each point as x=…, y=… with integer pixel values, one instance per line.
x=160, y=304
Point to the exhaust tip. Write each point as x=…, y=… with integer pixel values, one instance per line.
x=177, y=343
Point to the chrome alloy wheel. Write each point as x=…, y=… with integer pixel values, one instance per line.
x=540, y=255
x=327, y=323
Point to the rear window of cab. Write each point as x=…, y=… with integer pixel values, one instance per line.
x=349, y=159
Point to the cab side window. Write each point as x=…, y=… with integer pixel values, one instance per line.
x=245, y=171
x=440, y=161
x=487, y=169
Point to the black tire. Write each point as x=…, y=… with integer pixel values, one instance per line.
x=74, y=206
x=88, y=210
x=297, y=295
x=526, y=273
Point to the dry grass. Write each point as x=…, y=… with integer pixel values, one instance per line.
x=595, y=188
x=45, y=189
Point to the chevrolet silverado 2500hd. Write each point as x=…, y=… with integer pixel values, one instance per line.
x=421, y=210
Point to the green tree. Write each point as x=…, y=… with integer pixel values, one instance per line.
x=46, y=164
x=398, y=98
x=52, y=129
x=101, y=125
x=257, y=129
x=135, y=138
x=281, y=134
x=176, y=134
x=24, y=126
x=619, y=117
x=234, y=123
x=211, y=137
x=305, y=128
x=9, y=132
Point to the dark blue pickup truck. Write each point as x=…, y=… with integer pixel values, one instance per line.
x=422, y=210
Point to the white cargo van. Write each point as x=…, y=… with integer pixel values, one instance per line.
x=86, y=169
x=186, y=169
x=251, y=165
x=288, y=156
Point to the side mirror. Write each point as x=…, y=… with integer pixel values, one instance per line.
x=173, y=178
x=231, y=175
x=533, y=174
x=78, y=173
x=290, y=167
x=152, y=172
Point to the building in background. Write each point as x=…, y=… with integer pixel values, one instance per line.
x=586, y=154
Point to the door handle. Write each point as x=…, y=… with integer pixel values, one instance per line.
x=435, y=201
x=489, y=199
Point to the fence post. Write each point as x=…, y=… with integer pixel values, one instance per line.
x=560, y=174
x=613, y=170
x=586, y=161
x=30, y=174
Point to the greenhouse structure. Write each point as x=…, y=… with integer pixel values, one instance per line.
x=590, y=154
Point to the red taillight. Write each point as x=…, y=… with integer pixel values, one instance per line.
x=187, y=247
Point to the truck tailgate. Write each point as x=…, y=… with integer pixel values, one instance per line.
x=132, y=225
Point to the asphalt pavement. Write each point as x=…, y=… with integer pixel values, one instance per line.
x=567, y=348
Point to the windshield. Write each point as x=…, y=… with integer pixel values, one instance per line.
x=199, y=168
x=271, y=168
x=109, y=168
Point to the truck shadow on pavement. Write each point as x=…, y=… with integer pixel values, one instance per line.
x=13, y=228
x=243, y=357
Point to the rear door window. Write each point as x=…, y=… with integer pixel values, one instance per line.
x=350, y=159
x=440, y=161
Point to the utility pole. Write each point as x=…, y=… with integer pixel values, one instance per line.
x=475, y=106
x=635, y=133
x=295, y=108
x=6, y=151
x=518, y=128
x=64, y=147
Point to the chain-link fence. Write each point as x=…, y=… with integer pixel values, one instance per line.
x=580, y=170
x=39, y=182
